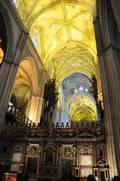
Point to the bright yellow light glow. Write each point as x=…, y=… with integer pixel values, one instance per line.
x=1, y=55
x=65, y=42
x=70, y=59
x=31, y=117
x=62, y=24
x=82, y=108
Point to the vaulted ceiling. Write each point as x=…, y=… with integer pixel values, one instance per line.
x=62, y=30
x=63, y=34
x=83, y=108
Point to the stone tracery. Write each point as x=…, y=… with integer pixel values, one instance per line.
x=66, y=45
x=63, y=35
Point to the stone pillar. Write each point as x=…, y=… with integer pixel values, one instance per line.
x=58, y=116
x=42, y=80
x=34, y=110
x=43, y=77
x=110, y=82
x=64, y=117
x=64, y=113
x=116, y=10
x=8, y=73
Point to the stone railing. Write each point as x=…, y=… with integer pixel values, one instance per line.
x=14, y=116
x=81, y=124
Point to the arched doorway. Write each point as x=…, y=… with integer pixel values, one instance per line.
x=22, y=87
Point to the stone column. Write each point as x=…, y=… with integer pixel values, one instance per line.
x=58, y=116
x=64, y=113
x=43, y=77
x=64, y=117
x=116, y=10
x=42, y=80
x=8, y=73
x=34, y=110
x=110, y=82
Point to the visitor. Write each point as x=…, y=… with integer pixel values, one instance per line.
x=91, y=178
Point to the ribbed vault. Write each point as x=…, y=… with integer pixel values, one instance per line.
x=82, y=108
x=71, y=58
x=77, y=98
x=63, y=34
x=74, y=84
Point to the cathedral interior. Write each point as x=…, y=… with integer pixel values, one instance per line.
x=59, y=90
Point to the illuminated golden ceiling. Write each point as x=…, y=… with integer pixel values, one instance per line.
x=58, y=24
x=82, y=108
x=70, y=59
x=63, y=34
